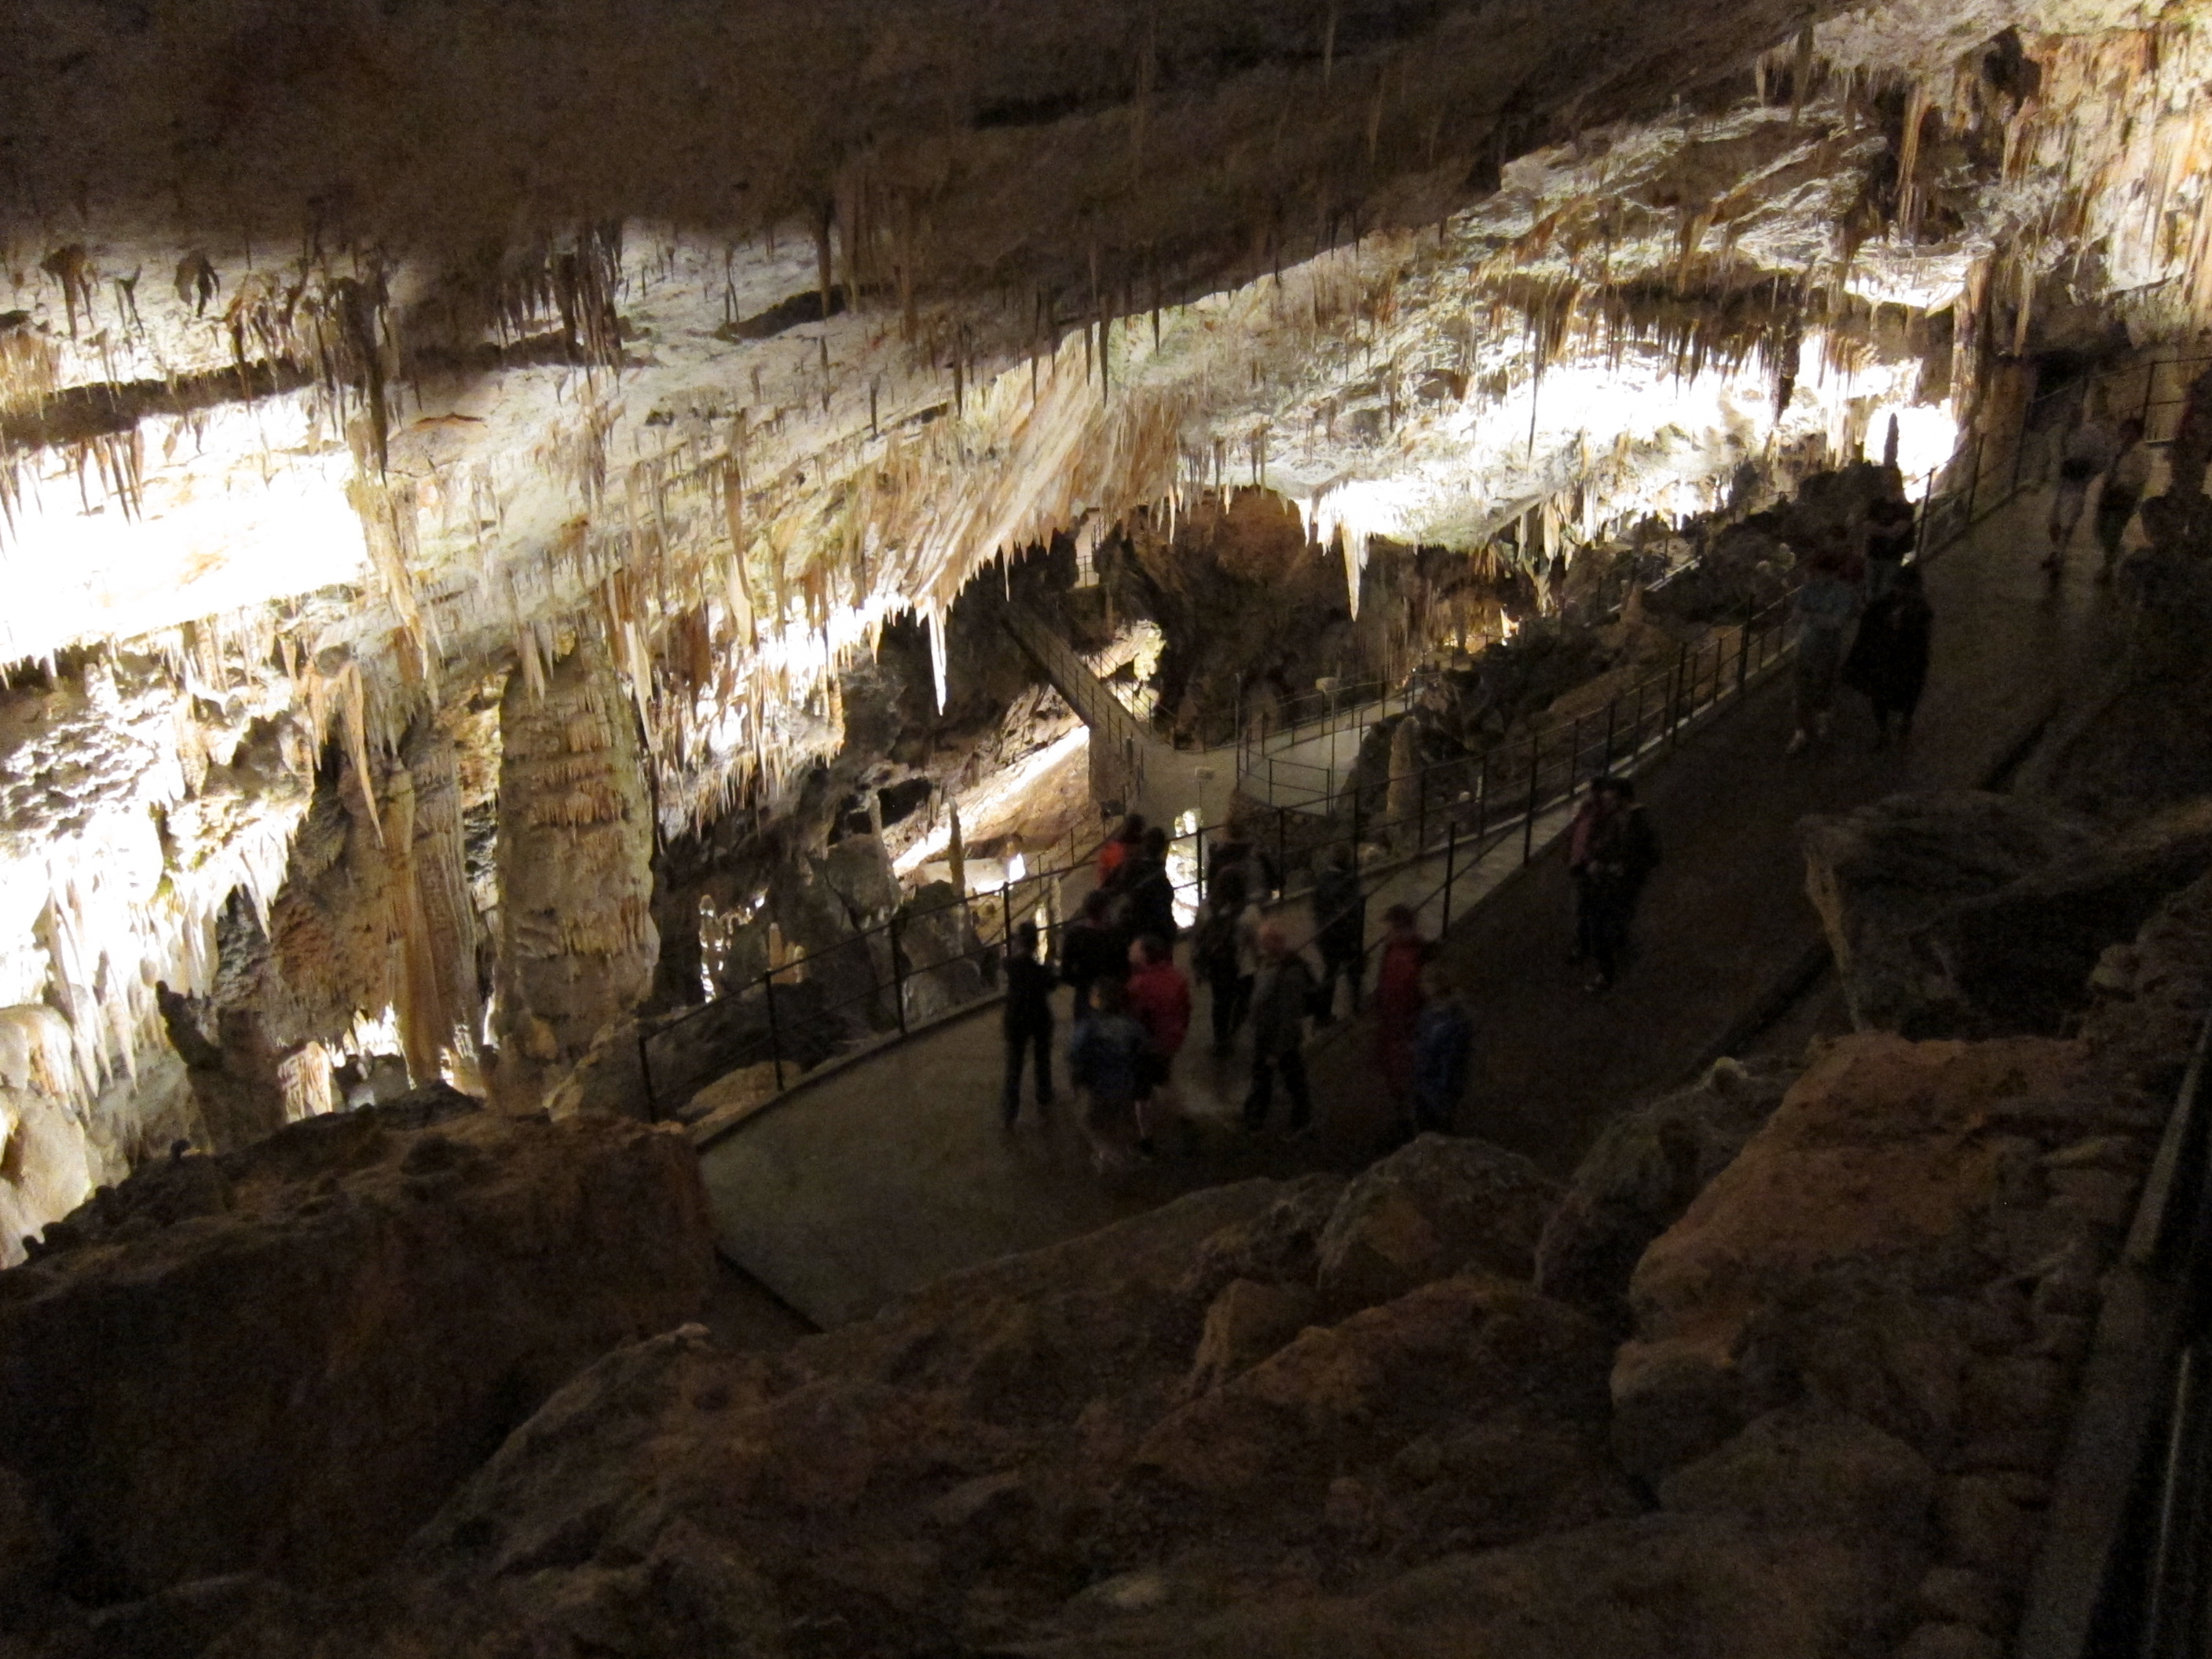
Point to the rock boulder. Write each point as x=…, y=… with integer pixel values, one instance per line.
x=1635, y=1182
x=1881, y=875
x=1470, y=1408
x=282, y=1358
x=1875, y=1178
x=1970, y=914
x=1437, y=1207
x=2021, y=958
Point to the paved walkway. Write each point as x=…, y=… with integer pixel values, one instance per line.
x=894, y=1172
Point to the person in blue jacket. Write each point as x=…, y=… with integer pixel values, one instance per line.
x=1444, y=1044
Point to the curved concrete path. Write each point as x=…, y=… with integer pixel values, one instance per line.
x=894, y=1172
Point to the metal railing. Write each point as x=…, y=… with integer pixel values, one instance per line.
x=1983, y=474
x=1514, y=780
x=931, y=957
x=2125, y=1568
x=927, y=963
x=1987, y=471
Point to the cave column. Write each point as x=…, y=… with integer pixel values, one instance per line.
x=577, y=940
x=433, y=971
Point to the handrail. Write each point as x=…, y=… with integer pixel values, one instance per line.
x=1070, y=675
x=2131, y=1508
x=1373, y=696
x=1511, y=790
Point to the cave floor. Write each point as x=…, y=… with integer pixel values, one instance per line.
x=895, y=1171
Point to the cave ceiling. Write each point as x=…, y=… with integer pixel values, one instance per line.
x=410, y=318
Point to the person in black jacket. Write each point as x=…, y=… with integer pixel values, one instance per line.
x=1889, y=658
x=1028, y=1020
x=1094, y=949
x=1613, y=851
x=1340, y=914
x=1147, y=891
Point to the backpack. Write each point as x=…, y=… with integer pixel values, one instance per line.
x=1213, y=952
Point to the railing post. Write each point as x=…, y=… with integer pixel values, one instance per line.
x=645, y=1077
x=1421, y=811
x=1528, y=823
x=1612, y=710
x=1451, y=861
x=1674, y=716
x=1482, y=798
x=1006, y=912
x=1743, y=648
x=775, y=1028
x=1282, y=857
x=1574, y=755
x=898, y=975
x=1199, y=841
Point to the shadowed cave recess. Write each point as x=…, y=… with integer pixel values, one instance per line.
x=521, y=520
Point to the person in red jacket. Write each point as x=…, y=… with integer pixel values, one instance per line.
x=1397, y=1000
x=1159, y=997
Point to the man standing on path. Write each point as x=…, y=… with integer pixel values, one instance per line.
x=1159, y=998
x=1889, y=658
x=1106, y=1058
x=1581, y=838
x=1147, y=890
x=1280, y=996
x=1028, y=1021
x=1397, y=1000
x=1114, y=853
x=1340, y=914
x=1891, y=530
x=1443, y=1041
x=1225, y=954
x=1619, y=854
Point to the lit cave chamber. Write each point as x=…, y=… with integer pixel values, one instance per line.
x=594, y=592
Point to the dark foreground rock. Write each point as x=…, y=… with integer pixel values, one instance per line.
x=1318, y=1417
x=1439, y=1205
x=1978, y=916
x=1645, y=1168
x=282, y=1359
x=1881, y=875
x=1874, y=1316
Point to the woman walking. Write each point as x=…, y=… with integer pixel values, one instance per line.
x=1824, y=606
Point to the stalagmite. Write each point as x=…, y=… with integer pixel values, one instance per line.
x=577, y=941
x=438, y=1009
